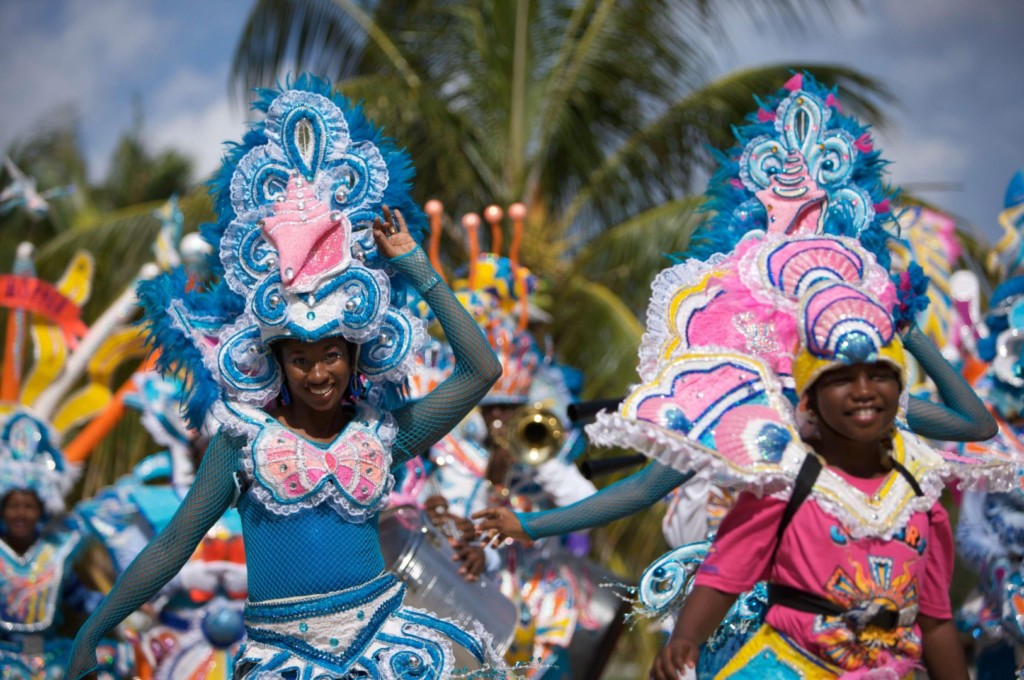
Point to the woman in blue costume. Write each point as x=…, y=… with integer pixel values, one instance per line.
x=801, y=172
x=40, y=546
x=300, y=312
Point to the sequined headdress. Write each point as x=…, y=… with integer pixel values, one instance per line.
x=294, y=255
x=840, y=325
x=800, y=166
x=498, y=292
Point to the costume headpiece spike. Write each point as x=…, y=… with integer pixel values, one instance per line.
x=493, y=215
x=517, y=213
x=10, y=382
x=471, y=223
x=435, y=211
x=497, y=291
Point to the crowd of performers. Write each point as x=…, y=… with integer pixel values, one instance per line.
x=369, y=468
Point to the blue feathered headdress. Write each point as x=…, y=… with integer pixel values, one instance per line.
x=799, y=166
x=293, y=254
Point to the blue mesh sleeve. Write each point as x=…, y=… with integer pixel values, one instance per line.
x=962, y=416
x=422, y=423
x=210, y=495
x=640, y=490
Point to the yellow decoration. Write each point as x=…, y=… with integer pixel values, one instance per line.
x=807, y=367
x=85, y=403
x=51, y=349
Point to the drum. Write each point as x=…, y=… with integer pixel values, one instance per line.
x=421, y=556
x=601, y=609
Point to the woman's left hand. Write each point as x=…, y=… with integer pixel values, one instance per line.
x=497, y=524
x=392, y=235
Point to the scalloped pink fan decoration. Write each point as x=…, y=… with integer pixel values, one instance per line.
x=740, y=436
x=793, y=267
x=839, y=305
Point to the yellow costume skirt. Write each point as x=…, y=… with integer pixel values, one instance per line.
x=770, y=654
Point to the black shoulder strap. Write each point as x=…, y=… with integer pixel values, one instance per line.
x=805, y=479
x=898, y=466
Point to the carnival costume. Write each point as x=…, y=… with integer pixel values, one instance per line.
x=798, y=200
x=556, y=591
x=38, y=587
x=198, y=627
x=990, y=530
x=295, y=259
x=727, y=409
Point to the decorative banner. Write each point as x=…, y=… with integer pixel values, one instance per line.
x=934, y=246
x=43, y=298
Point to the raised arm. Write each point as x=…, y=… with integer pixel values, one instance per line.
x=210, y=495
x=424, y=422
x=962, y=416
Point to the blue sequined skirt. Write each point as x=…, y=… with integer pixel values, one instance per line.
x=358, y=633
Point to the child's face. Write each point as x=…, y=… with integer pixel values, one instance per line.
x=857, y=402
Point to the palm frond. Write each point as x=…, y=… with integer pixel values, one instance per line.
x=626, y=257
x=120, y=243
x=592, y=328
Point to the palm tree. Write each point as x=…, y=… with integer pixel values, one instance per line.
x=597, y=114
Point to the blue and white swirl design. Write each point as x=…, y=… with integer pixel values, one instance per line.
x=389, y=356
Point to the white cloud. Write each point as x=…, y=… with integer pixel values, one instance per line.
x=194, y=115
x=80, y=53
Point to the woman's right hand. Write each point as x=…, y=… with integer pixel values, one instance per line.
x=676, y=660
x=497, y=524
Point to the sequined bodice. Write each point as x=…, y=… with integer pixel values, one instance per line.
x=352, y=473
x=30, y=584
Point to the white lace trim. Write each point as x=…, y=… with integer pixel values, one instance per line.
x=659, y=329
x=863, y=516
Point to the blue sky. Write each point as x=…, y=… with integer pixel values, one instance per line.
x=957, y=68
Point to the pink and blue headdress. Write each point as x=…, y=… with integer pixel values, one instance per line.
x=293, y=254
x=800, y=167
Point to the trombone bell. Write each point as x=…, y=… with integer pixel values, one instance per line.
x=536, y=435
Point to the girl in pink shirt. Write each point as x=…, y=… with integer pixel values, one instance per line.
x=858, y=556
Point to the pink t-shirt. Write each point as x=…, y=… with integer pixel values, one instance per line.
x=817, y=555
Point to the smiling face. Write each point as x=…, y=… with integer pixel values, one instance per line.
x=21, y=512
x=317, y=373
x=858, y=402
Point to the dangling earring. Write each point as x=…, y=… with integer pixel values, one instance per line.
x=355, y=386
x=284, y=395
